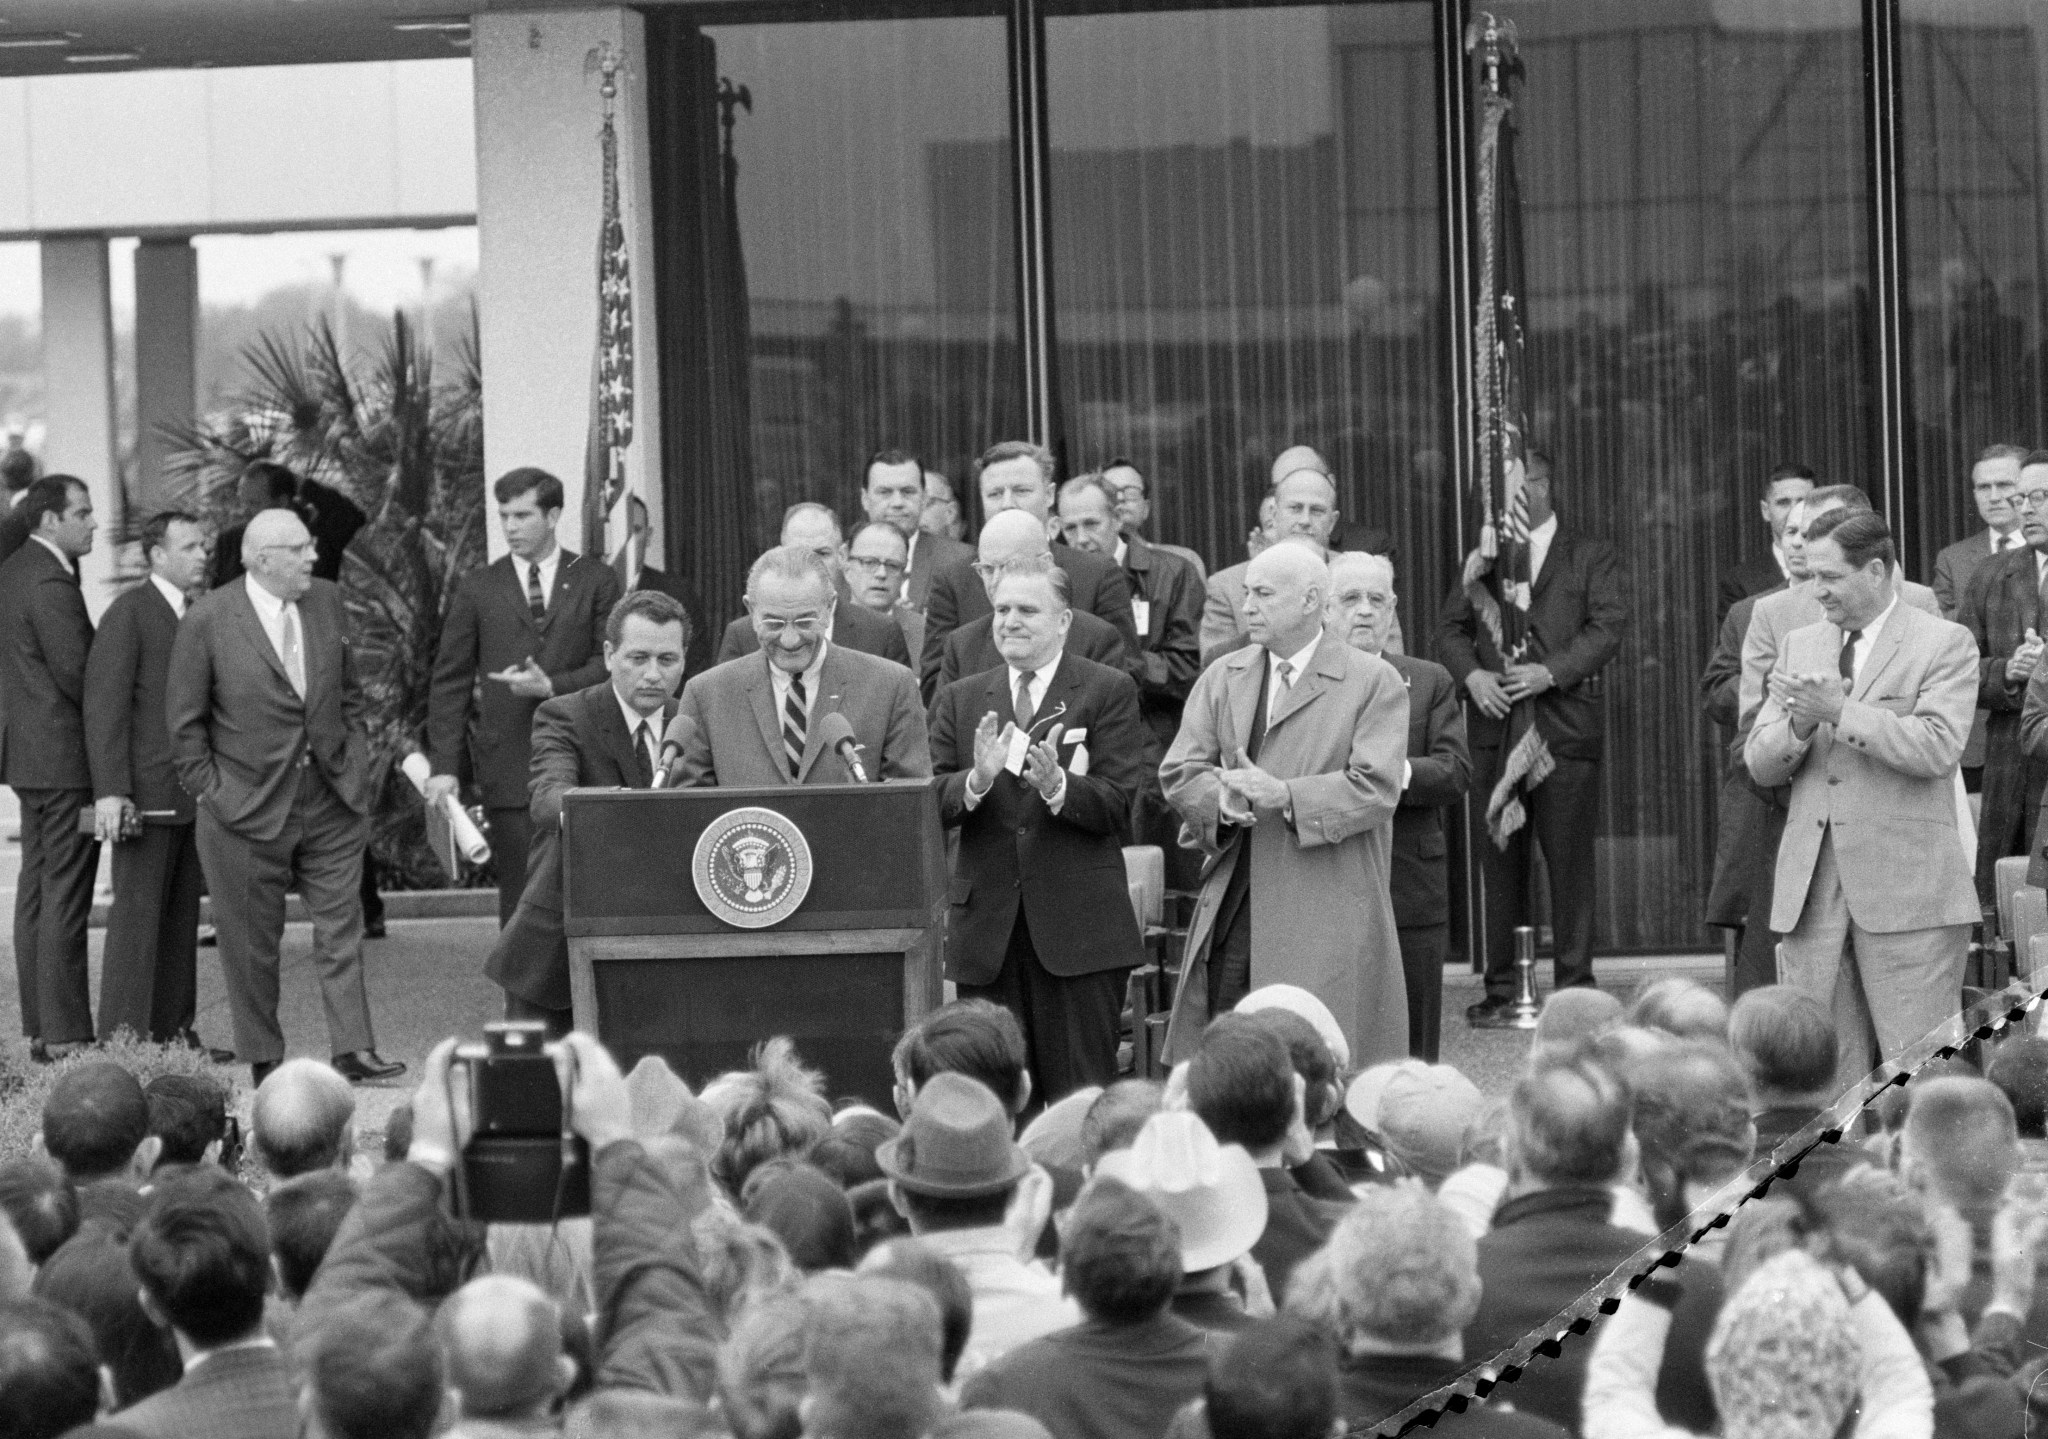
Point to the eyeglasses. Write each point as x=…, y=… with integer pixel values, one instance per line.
x=2031, y=499
x=772, y=627
x=875, y=565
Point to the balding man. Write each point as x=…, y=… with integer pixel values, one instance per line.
x=1287, y=772
x=812, y=526
x=303, y=1120
x=266, y=719
x=1361, y=606
x=506, y=1368
x=1018, y=475
x=1013, y=540
x=1303, y=499
x=758, y=716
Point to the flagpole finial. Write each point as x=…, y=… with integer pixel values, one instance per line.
x=605, y=62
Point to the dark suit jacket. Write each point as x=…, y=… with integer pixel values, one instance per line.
x=971, y=649
x=2001, y=604
x=1756, y=575
x=580, y=740
x=1954, y=567
x=1749, y=818
x=331, y=517
x=1096, y=1380
x=1576, y=616
x=241, y=1394
x=45, y=636
x=1170, y=651
x=739, y=734
x=489, y=628
x=958, y=595
x=928, y=556
x=853, y=628
x=1441, y=770
x=1066, y=870
x=237, y=725
x=126, y=678
x=1297, y=1225
x=697, y=654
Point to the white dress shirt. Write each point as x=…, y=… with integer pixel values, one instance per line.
x=2011, y=540
x=1297, y=666
x=270, y=612
x=645, y=730
x=70, y=565
x=173, y=596
x=1861, y=650
x=1539, y=546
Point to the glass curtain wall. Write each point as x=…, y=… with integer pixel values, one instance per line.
x=1694, y=190
x=1972, y=109
x=873, y=198
x=1245, y=257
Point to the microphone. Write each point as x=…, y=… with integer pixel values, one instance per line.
x=836, y=732
x=681, y=730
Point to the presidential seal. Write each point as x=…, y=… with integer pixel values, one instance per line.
x=752, y=867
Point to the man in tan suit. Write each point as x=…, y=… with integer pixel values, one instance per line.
x=1865, y=717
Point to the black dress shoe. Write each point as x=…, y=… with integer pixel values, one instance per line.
x=1488, y=1008
x=39, y=1052
x=209, y=937
x=260, y=1070
x=365, y=1065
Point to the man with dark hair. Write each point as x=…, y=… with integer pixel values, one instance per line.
x=1994, y=479
x=49, y=1371
x=915, y=1262
x=1134, y=510
x=45, y=637
x=677, y=586
x=1866, y=718
x=1573, y=626
x=40, y=1201
x=266, y=714
x=92, y=1278
x=1018, y=475
x=1785, y=1041
x=189, y=1114
x=2019, y=1067
x=527, y=626
x=149, y=981
x=303, y=1216
x=873, y=569
x=955, y=1173
x=96, y=1125
x=203, y=1258
x=1242, y=1084
x=893, y=493
x=1277, y=1379
x=811, y=526
x=1134, y=1363
x=607, y=734
x=1784, y=487
x=1553, y=1237
x=331, y=517
x=372, y=1370
x=975, y=1037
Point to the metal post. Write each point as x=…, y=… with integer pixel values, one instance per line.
x=1891, y=417
x=1030, y=164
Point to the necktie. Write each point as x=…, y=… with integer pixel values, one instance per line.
x=643, y=750
x=1025, y=709
x=2041, y=589
x=1848, y=658
x=1259, y=715
x=794, y=722
x=535, y=600
x=294, y=658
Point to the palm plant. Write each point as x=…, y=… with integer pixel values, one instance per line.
x=409, y=452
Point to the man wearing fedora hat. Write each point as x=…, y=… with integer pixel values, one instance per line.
x=972, y=1193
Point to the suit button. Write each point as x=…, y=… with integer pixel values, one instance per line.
x=1023, y=829
x=1833, y=780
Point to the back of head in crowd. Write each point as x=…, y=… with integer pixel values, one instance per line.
x=41, y=1204
x=969, y=1036
x=956, y=1165
x=2019, y=1067
x=202, y=1254
x=848, y=1152
x=1960, y=1141
x=1116, y=1115
x=1785, y=1039
x=304, y=1215
x=501, y=1339
x=304, y=1118
x=1400, y=1274
x=915, y=1262
x=761, y=1370
x=802, y=1206
x=49, y=1370
x=1242, y=1083
x=1682, y=1007
x=1574, y=1014
x=1119, y=1256
x=188, y=1115
x=1276, y=1379
x=1568, y=1124
x=773, y=1108
x=871, y=1358
x=1880, y=1229
x=96, y=1124
x=1692, y=1121
x=93, y=1279
x=1310, y=1054
x=372, y=1371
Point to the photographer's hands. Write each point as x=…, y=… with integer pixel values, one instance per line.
x=600, y=1106
x=441, y=1121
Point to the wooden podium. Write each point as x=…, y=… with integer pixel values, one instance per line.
x=655, y=968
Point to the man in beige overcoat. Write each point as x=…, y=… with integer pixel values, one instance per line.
x=1286, y=773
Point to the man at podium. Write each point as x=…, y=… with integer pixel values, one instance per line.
x=607, y=735
x=1041, y=756
x=759, y=718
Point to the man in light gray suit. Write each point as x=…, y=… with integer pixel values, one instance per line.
x=266, y=718
x=1865, y=717
x=759, y=717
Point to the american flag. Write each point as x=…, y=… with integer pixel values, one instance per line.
x=605, y=527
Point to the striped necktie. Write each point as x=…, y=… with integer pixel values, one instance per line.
x=794, y=723
x=535, y=600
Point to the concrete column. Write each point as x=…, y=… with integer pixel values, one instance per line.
x=78, y=388
x=166, y=369
x=539, y=203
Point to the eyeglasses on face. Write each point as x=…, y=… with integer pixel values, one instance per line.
x=875, y=565
x=774, y=625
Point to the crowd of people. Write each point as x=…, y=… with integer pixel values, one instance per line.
x=1268, y=1244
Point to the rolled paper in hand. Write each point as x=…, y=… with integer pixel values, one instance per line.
x=468, y=838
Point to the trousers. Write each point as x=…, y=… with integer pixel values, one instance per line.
x=149, y=980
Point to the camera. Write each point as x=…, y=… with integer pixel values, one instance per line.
x=522, y=1164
